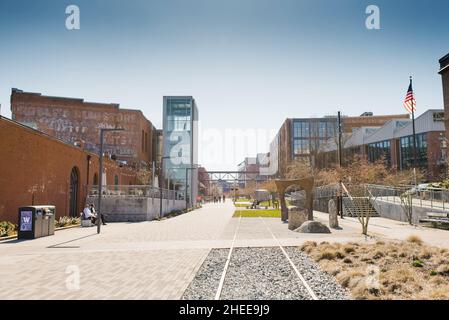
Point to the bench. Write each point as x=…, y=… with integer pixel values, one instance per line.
x=436, y=218
x=86, y=223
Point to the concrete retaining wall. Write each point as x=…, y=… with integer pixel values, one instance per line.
x=395, y=211
x=134, y=209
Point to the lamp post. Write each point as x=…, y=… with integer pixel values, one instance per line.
x=187, y=184
x=161, y=184
x=100, y=182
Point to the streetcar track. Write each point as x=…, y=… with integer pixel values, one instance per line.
x=303, y=281
x=284, y=252
x=228, y=260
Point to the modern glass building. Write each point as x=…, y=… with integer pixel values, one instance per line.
x=309, y=134
x=180, y=145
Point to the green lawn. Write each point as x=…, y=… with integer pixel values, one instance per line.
x=243, y=200
x=241, y=205
x=271, y=213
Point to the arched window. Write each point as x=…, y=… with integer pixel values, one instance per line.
x=74, y=190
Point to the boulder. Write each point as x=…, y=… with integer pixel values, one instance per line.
x=296, y=217
x=333, y=214
x=313, y=227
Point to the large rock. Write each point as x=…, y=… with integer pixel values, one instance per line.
x=313, y=227
x=333, y=214
x=296, y=217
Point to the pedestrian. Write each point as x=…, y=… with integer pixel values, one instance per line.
x=223, y=198
x=92, y=209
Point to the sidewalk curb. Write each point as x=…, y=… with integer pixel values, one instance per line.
x=56, y=229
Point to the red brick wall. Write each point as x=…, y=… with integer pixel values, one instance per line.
x=285, y=147
x=433, y=154
x=35, y=169
x=71, y=119
x=349, y=123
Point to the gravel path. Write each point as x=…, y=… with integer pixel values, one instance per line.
x=261, y=273
x=205, y=284
x=323, y=284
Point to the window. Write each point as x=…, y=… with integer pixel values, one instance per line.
x=146, y=141
x=379, y=150
x=301, y=146
x=406, y=152
x=322, y=129
x=301, y=129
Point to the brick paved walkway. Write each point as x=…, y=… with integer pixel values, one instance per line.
x=157, y=259
x=149, y=260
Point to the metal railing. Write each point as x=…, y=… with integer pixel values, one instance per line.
x=425, y=197
x=328, y=191
x=136, y=191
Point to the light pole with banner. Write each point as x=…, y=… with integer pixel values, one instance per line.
x=100, y=180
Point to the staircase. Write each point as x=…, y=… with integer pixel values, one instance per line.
x=358, y=206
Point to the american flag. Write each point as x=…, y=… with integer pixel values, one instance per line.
x=410, y=102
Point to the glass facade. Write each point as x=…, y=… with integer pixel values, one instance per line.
x=406, y=151
x=309, y=134
x=379, y=150
x=180, y=131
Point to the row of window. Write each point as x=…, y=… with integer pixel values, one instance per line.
x=314, y=129
x=379, y=150
x=306, y=146
x=382, y=149
x=407, y=155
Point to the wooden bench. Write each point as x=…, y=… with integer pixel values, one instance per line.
x=436, y=218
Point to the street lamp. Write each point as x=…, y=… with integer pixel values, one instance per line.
x=161, y=185
x=100, y=182
x=187, y=184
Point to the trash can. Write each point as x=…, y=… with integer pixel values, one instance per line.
x=36, y=222
x=50, y=215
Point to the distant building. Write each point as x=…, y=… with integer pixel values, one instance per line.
x=301, y=138
x=180, y=144
x=73, y=120
x=249, y=164
x=393, y=142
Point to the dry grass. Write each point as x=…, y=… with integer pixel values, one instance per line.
x=386, y=270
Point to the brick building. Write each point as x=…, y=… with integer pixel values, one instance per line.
x=73, y=120
x=444, y=72
x=36, y=168
x=393, y=142
x=300, y=138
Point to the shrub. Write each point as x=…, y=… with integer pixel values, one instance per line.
x=326, y=255
x=66, y=221
x=7, y=228
x=415, y=239
x=417, y=264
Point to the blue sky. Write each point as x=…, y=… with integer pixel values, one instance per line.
x=248, y=63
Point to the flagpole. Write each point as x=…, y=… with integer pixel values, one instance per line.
x=415, y=158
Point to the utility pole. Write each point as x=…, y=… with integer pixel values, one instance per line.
x=340, y=162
